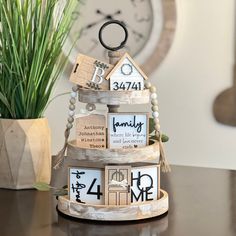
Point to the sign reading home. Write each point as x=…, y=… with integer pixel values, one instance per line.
x=86, y=185
x=90, y=73
x=127, y=130
x=91, y=131
x=145, y=183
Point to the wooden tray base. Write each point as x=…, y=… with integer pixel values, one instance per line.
x=143, y=154
x=114, y=213
x=109, y=97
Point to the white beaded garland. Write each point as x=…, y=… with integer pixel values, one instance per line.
x=72, y=107
x=71, y=113
x=75, y=88
x=69, y=126
x=155, y=108
x=72, y=101
x=73, y=94
x=147, y=85
x=153, y=96
x=154, y=102
x=70, y=119
x=155, y=114
x=153, y=89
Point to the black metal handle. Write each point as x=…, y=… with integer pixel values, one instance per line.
x=122, y=44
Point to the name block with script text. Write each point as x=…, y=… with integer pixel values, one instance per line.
x=91, y=131
x=127, y=130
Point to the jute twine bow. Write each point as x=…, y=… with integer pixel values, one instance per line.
x=122, y=183
x=60, y=157
x=165, y=167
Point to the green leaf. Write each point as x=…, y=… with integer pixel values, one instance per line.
x=42, y=186
x=61, y=192
x=151, y=125
x=164, y=138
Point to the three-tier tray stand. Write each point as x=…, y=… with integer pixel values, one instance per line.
x=102, y=157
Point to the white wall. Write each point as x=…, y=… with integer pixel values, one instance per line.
x=197, y=68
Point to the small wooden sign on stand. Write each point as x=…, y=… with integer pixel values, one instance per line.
x=127, y=130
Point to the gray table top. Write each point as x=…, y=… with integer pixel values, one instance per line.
x=202, y=202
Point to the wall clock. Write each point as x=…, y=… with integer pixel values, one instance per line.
x=151, y=26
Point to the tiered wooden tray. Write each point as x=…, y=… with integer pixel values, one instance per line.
x=91, y=157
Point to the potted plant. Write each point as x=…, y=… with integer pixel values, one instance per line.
x=32, y=33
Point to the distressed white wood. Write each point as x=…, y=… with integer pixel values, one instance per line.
x=127, y=130
x=114, y=97
x=114, y=213
x=82, y=178
x=145, y=178
x=150, y=153
x=128, y=75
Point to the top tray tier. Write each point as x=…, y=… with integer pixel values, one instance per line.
x=114, y=97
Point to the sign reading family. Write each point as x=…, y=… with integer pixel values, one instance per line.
x=127, y=130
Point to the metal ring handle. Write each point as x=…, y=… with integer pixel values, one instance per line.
x=122, y=44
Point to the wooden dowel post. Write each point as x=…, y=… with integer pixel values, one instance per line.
x=114, y=57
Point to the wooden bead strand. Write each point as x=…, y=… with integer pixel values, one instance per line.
x=155, y=114
x=70, y=120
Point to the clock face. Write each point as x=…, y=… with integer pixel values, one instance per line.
x=137, y=15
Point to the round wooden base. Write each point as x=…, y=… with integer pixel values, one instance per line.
x=114, y=213
x=114, y=97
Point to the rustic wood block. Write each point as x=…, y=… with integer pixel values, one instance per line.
x=114, y=213
x=91, y=131
x=117, y=185
x=90, y=73
x=127, y=130
x=114, y=97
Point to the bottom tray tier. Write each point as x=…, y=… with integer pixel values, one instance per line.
x=114, y=213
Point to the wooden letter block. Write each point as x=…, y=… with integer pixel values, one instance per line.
x=127, y=130
x=145, y=183
x=90, y=73
x=91, y=131
x=117, y=185
x=86, y=185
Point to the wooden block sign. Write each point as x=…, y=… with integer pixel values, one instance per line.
x=117, y=185
x=86, y=185
x=90, y=73
x=126, y=75
x=127, y=130
x=145, y=183
x=91, y=131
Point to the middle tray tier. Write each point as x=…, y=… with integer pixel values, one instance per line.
x=109, y=97
x=143, y=154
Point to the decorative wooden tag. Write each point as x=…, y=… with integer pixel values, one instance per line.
x=86, y=185
x=127, y=130
x=126, y=75
x=117, y=185
x=145, y=183
x=91, y=131
x=90, y=73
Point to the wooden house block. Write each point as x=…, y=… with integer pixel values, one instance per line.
x=127, y=130
x=126, y=75
x=117, y=185
x=90, y=73
x=91, y=131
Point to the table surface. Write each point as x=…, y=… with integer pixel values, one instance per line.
x=202, y=202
